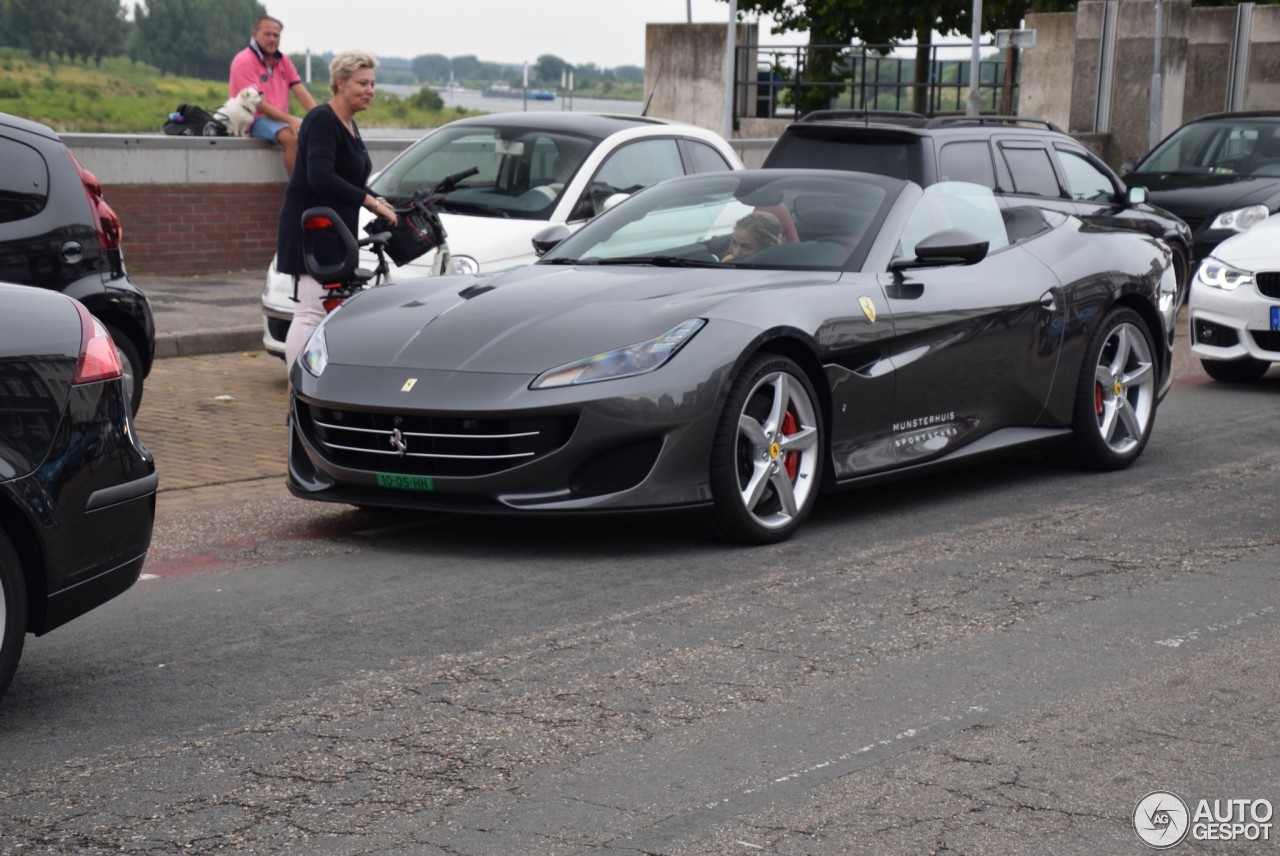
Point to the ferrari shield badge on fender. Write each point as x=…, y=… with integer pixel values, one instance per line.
x=868, y=308
x=408, y=385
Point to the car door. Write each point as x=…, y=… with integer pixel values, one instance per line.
x=975, y=347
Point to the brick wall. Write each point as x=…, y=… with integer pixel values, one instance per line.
x=197, y=228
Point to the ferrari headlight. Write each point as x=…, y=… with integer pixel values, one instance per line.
x=315, y=356
x=1218, y=275
x=624, y=362
x=1241, y=219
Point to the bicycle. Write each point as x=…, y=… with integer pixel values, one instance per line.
x=418, y=230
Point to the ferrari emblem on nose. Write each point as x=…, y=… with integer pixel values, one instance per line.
x=408, y=385
x=398, y=443
x=868, y=308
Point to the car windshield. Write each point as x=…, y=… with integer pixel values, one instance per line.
x=522, y=171
x=1247, y=148
x=762, y=219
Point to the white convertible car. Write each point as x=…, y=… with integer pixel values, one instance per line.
x=536, y=169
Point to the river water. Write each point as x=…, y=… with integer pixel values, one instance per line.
x=471, y=99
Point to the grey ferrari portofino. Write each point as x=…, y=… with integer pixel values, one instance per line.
x=739, y=342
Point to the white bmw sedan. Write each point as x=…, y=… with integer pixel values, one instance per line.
x=1235, y=305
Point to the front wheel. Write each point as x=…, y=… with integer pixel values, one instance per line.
x=766, y=460
x=13, y=612
x=1115, y=405
x=1246, y=370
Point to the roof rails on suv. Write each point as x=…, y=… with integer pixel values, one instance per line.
x=1024, y=121
x=896, y=117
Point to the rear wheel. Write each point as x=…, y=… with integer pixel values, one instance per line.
x=1236, y=371
x=13, y=612
x=766, y=461
x=1115, y=405
x=131, y=363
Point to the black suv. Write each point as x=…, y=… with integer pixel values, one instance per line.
x=1022, y=160
x=57, y=232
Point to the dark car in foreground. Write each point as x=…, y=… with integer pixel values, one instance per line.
x=77, y=487
x=1024, y=161
x=634, y=367
x=58, y=232
x=1220, y=173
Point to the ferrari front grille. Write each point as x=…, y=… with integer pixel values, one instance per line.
x=1269, y=284
x=429, y=445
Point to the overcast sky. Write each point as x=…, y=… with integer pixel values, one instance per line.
x=608, y=33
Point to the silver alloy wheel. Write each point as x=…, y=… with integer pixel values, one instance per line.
x=777, y=450
x=1124, y=388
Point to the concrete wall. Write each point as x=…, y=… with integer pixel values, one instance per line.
x=1195, y=70
x=1044, y=90
x=195, y=204
x=684, y=73
x=1263, y=92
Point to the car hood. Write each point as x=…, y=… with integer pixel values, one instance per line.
x=1256, y=249
x=528, y=320
x=1200, y=196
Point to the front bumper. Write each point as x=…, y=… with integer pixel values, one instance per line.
x=628, y=445
x=1234, y=325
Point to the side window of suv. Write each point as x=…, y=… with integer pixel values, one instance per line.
x=1032, y=170
x=967, y=161
x=1085, y=180
x=24, y=181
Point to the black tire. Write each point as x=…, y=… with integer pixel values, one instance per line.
x=13, y=612
x=1115, y=406
x=764, y=486
x=131, y=362
x=1236, y=371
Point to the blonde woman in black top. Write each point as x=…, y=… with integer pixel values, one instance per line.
x=332, y=169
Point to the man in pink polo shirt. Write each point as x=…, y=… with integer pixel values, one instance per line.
x=262, y=66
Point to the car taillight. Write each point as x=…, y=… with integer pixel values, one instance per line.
x=109, y=230
x=99, y=359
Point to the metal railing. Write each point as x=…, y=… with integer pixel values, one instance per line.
x=773, y=80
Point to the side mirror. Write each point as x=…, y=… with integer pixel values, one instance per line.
x=948, y=247
x=547, y=238
x=1137, y=196
x=323, y=230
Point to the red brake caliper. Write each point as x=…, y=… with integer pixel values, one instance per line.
x=1097, y=398
x=790, y=460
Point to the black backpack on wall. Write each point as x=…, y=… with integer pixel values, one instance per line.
x=192, y=121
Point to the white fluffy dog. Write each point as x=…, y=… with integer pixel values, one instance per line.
x=238, y=112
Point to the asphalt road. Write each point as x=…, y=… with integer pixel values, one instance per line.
x=1000, y=660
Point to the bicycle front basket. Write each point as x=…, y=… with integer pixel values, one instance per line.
x=418, y=230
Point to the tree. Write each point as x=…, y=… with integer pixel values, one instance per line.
x=76, y=29
x=550, y=68
x=195, y=38
x=429, y=67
